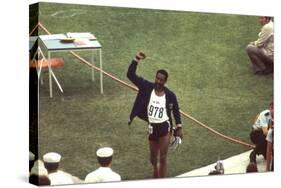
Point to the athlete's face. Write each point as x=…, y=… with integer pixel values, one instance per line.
x=160, y=81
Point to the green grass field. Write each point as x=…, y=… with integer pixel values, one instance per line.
x=209, y=71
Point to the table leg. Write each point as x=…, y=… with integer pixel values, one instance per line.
x=101, y=72
x=39, y=69
x=50, y=74
x=55, y=78
x=93, y=63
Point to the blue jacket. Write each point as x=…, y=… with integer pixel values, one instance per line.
x=143, y=97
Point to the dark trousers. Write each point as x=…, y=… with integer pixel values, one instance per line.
x=259, y=139
x=259, y=60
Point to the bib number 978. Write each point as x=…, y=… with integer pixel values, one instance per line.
x=154, y=111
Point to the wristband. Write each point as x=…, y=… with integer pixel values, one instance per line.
x=179, y=126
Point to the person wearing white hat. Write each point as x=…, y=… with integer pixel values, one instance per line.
x=104, y=172
x=39, y=174
x=31, y=160
x=57, y=177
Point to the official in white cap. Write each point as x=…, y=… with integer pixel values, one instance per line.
x=57, y=177
x=104, y=172
x=39, y=174
x=31, y=160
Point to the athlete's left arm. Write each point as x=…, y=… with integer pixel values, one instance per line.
x=176, y=111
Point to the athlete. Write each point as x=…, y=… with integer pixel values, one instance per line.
x=155, y=104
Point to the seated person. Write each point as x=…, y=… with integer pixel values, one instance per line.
x=57, y=177
x=259, y=132
x=104, y=172
x=31, y=160
x=39, y=174
x=261, y=51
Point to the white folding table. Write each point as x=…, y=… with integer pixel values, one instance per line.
x=55, y=45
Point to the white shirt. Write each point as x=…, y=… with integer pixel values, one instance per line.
x=262, y=120
x=156, y=109
x=60, y=178
x=266, y=39
x=102, y=174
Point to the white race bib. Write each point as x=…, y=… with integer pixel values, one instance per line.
x=156, y=109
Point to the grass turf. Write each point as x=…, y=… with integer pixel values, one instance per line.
x=209, y=71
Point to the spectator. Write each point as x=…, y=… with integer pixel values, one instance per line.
x=104, y=172
x=252, y=167
x=261, y=51
x=31, y=160
x=39, y=174
x=57, y=177
x=259, y=132
x=269, y=150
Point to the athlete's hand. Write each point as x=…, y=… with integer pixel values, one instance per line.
x=176, y=142
x=177, y=137
x=178, y=132
x=140, y=56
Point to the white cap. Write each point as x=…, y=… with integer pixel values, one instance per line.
x=52, y=157
x=39, y=169
x=105, y=152
x=31, y=156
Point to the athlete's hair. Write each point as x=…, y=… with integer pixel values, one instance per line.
x=164, y=72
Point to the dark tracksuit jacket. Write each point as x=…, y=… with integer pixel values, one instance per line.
x=143, y=97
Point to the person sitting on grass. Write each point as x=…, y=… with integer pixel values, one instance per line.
x=261, y=51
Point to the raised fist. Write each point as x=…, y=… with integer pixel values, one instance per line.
x=140, y=56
